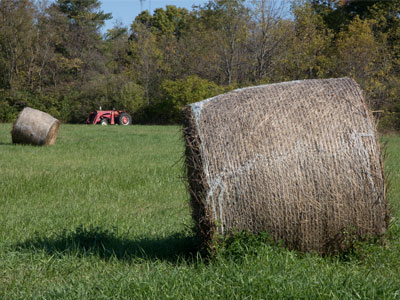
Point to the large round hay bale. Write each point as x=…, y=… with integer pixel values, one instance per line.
x=300, y=160
x=35, y=127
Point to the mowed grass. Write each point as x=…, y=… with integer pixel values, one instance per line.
x=104, y=214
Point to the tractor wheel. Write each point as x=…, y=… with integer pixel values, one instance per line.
x=124, y=119
x=104, y=122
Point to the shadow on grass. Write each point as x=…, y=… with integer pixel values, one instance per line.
x=108, y=244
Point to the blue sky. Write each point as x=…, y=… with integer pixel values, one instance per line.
x=125, y=11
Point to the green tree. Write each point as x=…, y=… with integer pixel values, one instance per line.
x=171, y=21
x=357, y=50
x=146, y=59
x=17, y=38
x=365, y=57
x=167, y=27
x=83, y=13
x=116, y=49
x=310, y=45
x=79, y=45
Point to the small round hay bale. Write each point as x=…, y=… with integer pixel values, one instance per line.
x=35, y=127
x=298, y=159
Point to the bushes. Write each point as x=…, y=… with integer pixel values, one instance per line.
x=73, y=104
x=179, y=93
x=7, y=112
x=12, y=102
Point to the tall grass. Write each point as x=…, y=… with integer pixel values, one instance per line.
x=104, y=214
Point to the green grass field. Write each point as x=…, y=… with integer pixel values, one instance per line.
x=104, y=214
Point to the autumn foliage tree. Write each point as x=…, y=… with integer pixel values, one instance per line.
x=55, y=57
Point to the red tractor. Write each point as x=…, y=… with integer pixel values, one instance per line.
x=105, y=117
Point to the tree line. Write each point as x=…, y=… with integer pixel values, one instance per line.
x=54, y=57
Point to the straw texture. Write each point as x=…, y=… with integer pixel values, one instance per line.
x=298, y=159
x=35, y=127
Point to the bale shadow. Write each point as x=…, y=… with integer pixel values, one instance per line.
x=107, y=244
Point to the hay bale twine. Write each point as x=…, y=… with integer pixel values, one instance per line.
x=35, y=127
x=300, y=160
